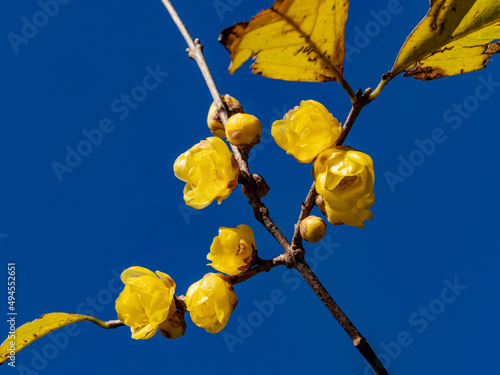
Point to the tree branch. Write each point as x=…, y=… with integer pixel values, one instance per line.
x=292, y=258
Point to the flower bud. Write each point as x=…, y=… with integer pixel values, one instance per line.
x=174, y=327
x=243, y=131
x=210, y=301
x=213, y=119
x=262, y=187
x=312, y=229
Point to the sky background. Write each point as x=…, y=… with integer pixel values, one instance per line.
x=420, y=281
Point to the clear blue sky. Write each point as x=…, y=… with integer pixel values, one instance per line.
x=423, y=273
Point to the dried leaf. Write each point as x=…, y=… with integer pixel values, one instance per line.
x=294, y=40
x=456, y=36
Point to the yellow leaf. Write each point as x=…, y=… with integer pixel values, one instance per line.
x=29, y=332
x=455, y=37
x=294, y=40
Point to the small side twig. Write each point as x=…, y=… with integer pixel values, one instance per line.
x=263, y=266
x=114, y=324
x=307, y=206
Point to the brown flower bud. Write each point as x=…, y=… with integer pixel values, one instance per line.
x=262, y=187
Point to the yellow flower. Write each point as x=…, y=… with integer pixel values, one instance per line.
x=210, y=302
x=306, y=131
x=146, y=301
x=233, y=250
x=209, y=171
x=343, y=176
x=355, y=216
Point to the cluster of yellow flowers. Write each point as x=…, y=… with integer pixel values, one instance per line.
x=147, y=303
x=209, y=168
x=344, y=181
x=344, y=176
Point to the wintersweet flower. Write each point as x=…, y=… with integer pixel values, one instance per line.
x=306, y=131
x=209, y=171
x=354, y=217
x=233, y=250
x=343, y=176
x=210, y=302
x=146, y=302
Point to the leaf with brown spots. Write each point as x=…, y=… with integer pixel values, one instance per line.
x=456, y=36
x=293, y=40
x=32, y=331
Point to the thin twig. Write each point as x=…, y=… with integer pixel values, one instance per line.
x=263, y=266
x=309, y=202
x=114, y=324
x=386, y=78
x=307, y=206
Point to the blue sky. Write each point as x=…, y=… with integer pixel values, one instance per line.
x=420, y=281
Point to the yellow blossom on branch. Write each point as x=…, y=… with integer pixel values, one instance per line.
x=210, y=302
x=306, y=131
x=146, y=302
x=343, y=176
x=233, y=250
x=209, y=171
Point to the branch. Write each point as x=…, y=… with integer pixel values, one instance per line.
x=292, y=258
x=263, y=266
x=309, y=202
x=307, y=206
x=261, y=212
